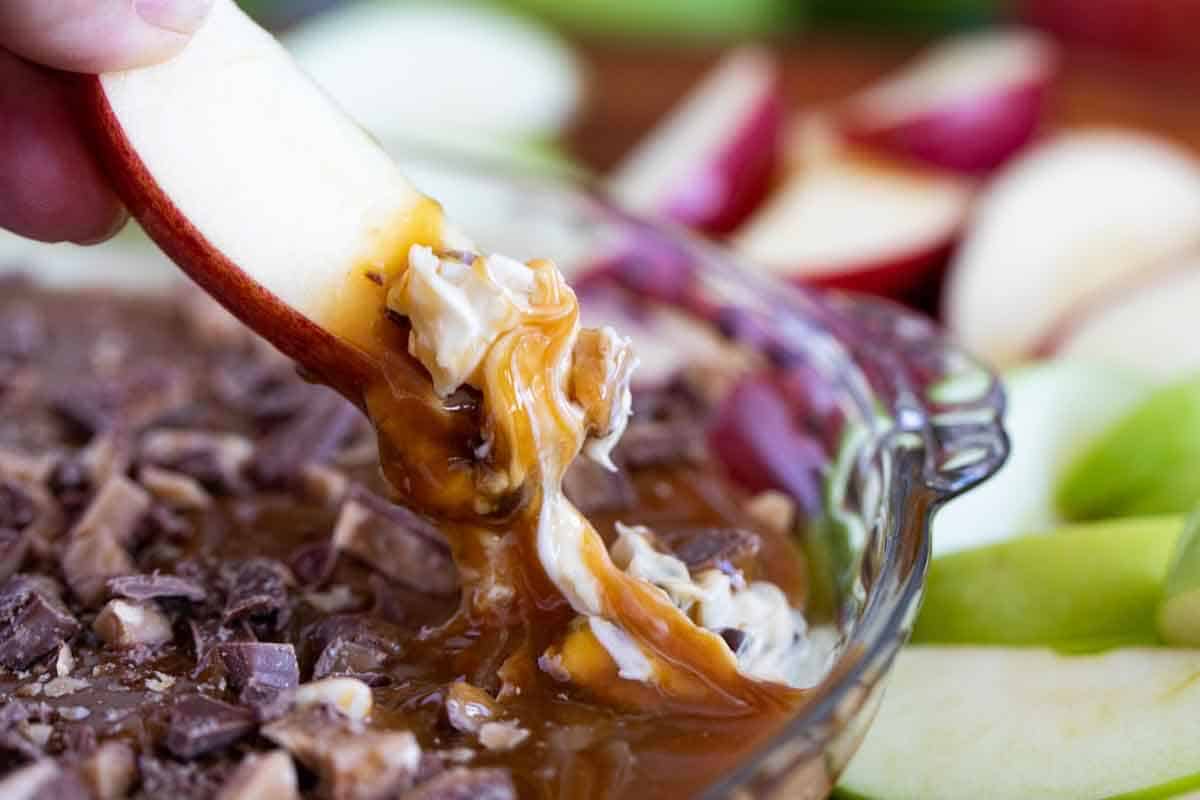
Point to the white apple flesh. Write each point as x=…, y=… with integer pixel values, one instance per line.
x=245, y=173
x=967, y=104
x=1148, y=325
x=1000, y=723
x=709, y=163
x=856, y=221
x=1060, y=227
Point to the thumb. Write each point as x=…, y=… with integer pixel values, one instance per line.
x=98, y=35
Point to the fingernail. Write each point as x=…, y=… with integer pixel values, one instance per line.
x=178, y=16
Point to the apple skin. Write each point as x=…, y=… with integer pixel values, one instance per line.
x=972, y=136
x=1162, y=29
x=333, y=360
x=895, y=277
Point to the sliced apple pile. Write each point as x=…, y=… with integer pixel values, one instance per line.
x=244, y=172
x=708, y=164
x=858, y=220
x=967, y=104
x=448, y=76
x=1063, y=226
x=1013, y=724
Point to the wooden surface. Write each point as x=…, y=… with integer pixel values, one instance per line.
x=631, y=87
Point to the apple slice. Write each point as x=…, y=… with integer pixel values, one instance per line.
x=967, y=104
x=486, y=77
x=1014, y=724
x=1060, y=226
x=244, y=172
x=708, y=164
x=1147, y=462
x=1080, y=588
x=1179, y=614
x=1054, y=411
x=857, y=221
x=1148, y=323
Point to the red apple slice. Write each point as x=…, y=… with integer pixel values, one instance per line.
x=708, y=164
x=247, y=175
x=855, y=221
x=968, y=104
x=1074, y=217
x=1149, y=325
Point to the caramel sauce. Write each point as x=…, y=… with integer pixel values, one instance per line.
x=598, y=735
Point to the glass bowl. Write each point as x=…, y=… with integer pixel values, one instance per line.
x=899, y=418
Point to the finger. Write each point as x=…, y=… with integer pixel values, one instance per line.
x=50, y=186
x=98, y=35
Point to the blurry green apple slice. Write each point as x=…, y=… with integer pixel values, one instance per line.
x=1148, y=462
x=673, y=18
x=441, y=72
x=1179, y=614
x=1080, y=588
x=1054, y=411
x=1003, y=724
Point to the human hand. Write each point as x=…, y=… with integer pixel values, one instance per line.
x=51, y=188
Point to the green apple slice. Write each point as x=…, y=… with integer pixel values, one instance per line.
x=1148, y=462
x=1054, y=412
x=1081, y=588
x=1001, y=723
x=1179, y=614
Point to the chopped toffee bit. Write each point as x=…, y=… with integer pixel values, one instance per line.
x=394, y=542
x=200, y=725
x=217, y=461
x=352, y=761
x=502, y=736
x=469, y=707
x=43, y=780
x=726, y=549
x=110, y=771
x=323, y=484
x=155, y=586
x=269, y=776
x=267, y=665
x=33, y=621
x=462, y=783
x=23, y=468
x=350, y=697
x=123, y=624
x=257, y=589
x=311, y=435
x=167, y=779
x=595, y=489
x=116, y=510
x=89, y=562
x=174, y=488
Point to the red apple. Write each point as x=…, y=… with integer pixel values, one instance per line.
x=1153, y=28
x=1076, y=216
x=853, y=220
x=967, y=104
x=252, y=181
x=708, y=164
x=1148, y=325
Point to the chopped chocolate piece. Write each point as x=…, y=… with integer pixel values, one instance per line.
x=17, y=509
x=87, y=406
x=117, y=508
x=110, y=771
x=164, y=779
x=43, y=780
x=594, y=489
x=352, y=761
x=174, y=488
x=170, y=524
x=257, y=588
x=462, y=783
x=267, y=392
x=267, y=702
x=656, y=444
x=14, y=545
x=345, y=657
x=33, y=621
x=264, y=664
x=19, y=743
x=270, y=776
x=469, y=707
x=156, y=585
x=734, y=638
x=89, y=562
x=200, y=725
x=312, y=435
x=313, y=564
x=22, y=332
x=326, y=640
x=217, y=460
x=70, y=483
x=395, y=542
x=726, y=549
x=126, y=624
